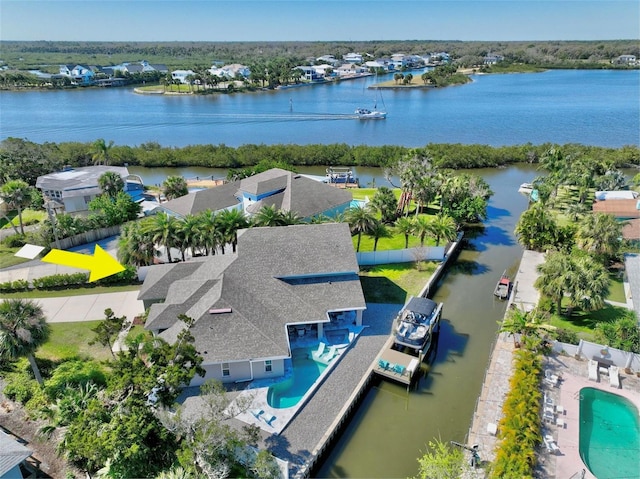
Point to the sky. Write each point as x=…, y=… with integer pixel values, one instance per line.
x=313, y=20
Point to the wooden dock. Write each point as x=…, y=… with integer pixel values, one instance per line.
x=408, y=363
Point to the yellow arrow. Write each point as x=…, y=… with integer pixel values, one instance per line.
x=101, y=264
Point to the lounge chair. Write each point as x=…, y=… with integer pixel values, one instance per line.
x=382, y=364
x=257, y=413
x=614, y=377
x=329, y=355
x=593, y=371
x=399, y=369
x=317, y=354
x=550, y=444
x=269, y=418
x=549, y=416
x=550, y=378
x=548, y=400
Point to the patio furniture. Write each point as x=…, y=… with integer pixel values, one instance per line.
x=548, y=400
x=560, y=422
x=548, y=416
x=559, y=410
x=398, y=369
x=550, y=378
x=317, y=354
x=614, y=377
x=257, y=413
x=550, y=444
x=383, y=364
x=593, y=371
x=269, y=418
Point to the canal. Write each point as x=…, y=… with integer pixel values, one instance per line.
x=391, y=428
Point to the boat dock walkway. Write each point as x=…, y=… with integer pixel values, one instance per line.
x=495, y=387
x=395, y=365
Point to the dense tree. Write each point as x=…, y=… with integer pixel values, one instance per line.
x=229, y=222
x=441, y=461
x=378, y=231
x=465, y=198
x=623, y=333
x=17, y=194
x=174, y=187
x=444, y=227
x=111, y=211
x=111, y=183
x=600, y=234
x=23, y=329
x=537, y=229
x=135, y=244
x=385, y=203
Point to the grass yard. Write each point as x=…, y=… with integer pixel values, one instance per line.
x=29, y=217
x=394, y=283
x=69, y=340
x=616, y=288
x=60, y=293
x=385, y=244
x=583, y=323
x=8, y=257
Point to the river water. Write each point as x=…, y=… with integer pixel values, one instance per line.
x=391, y=428
x=596, y=107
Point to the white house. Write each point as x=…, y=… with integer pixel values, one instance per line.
x=79, y=74
x=74, y=188
x=352, y=58
x=350, y=69
x=181, y=75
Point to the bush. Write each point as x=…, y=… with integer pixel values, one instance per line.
x=567, y=336
x=73, y=373
x=20, y=387
x=15, y=241
x=128, y=276
x=17, y=285
x=60, y=280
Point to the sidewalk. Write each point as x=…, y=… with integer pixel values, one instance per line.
x=90, y=307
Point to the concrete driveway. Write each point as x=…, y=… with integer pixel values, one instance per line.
x=90, y=307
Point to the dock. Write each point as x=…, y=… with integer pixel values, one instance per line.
x=409, y=364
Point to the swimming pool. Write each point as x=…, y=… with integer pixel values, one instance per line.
x=306, y=371
x=609, y=434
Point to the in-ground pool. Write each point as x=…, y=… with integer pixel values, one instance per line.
x=306, y=371
x=609, y=434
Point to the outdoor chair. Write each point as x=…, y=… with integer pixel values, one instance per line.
x=269, y=418
x=317, y=354
x=382, y=364
x=550, y=444
x=398, y=369
x=593, y=371
x=257, y=413
x=550, y=378
x=614, y=377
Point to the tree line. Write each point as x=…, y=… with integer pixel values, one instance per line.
x=26, y=160
x=187, y=55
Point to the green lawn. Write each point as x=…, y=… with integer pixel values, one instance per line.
x=394, y=283
x=69, y=340
x=29, y=217
x=616, y=288
x=583, y=323
x=59, y=293
x=8, y=257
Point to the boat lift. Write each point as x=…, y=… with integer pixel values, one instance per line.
x=475, y=456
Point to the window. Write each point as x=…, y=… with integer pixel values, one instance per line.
x=267, y=366
x=225, y=369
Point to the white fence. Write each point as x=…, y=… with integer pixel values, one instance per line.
x=589, y=350
x=431, y=253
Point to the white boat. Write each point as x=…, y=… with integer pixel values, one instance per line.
x=415, y=323
x=365, y=114
x=526, y=188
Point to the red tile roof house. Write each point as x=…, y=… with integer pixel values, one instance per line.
x=280, y=189
x=248, y=306
x=620, y=208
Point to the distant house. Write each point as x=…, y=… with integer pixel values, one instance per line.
x=492, y=59
x=74, y=188
x=283, y=283
x=277, y=188
x=79, y=74
x=623, y=209
x=630, y=60
x=310, y=72
x=13, y=456
x=350, y=69
x=181, y=75
x=352, y=58
x=330, y=59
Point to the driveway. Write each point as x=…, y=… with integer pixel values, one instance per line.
x=90, y=307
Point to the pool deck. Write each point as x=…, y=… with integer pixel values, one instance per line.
x=574, y=377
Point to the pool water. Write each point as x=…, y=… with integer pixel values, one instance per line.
x=609, y=434
x=306, y=371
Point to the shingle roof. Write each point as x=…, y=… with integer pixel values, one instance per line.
x=293, y=192
x=12, y=453
x=283, y=275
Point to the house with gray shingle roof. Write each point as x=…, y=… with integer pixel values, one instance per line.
x=280, y=189
x=12, y=454
x=247, y=306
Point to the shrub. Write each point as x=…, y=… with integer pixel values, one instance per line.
x=128, y=276
x=11, y=286
x=15, y=241
x=567, y=336
x=60, y=280
x=74, y=373
x=20, y=387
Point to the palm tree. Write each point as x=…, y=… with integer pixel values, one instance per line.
x=422, y=226
x=191, y=234
x=444, y=226
x=23, y=329
x=163, y=230
x=229, y=222
x=404, y=226
x=100, y=151
x=361, y=220
x=268, y=216
x=377, y=231
x=111, y=183
x=17, y=194
x=174, y=187
x=135, y=246
x=290, y=218
x=212, y=235
x=555, y=275
x=600, y=234
x=384, y=201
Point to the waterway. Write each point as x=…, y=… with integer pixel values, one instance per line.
x=391, y=427
x=596, y=107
